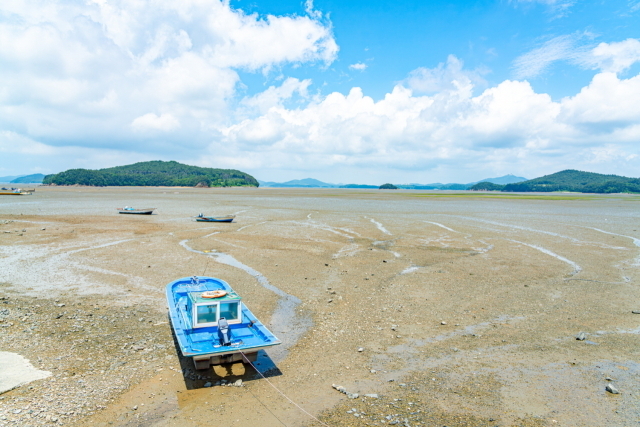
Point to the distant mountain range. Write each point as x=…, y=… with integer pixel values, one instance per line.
x=567, y=180
x=301, y=183
x=23, y=179
x=314, y=183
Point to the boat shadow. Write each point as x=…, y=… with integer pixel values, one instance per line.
x=226, y=374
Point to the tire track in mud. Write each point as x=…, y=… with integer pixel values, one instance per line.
x=576, y=268
x=441, y=241
x=635, y=241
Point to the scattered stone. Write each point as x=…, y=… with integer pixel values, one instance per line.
x=135, y=408
x=635, y=311
x=238, y=383
x=371, y=395
x=207, y=384
x=330, y=300
x=443, y=323
x=581, y=336
x=344, y=391
x=360, y=350
x=609, y=379
x=611, y=389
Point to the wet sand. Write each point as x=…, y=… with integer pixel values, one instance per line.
x=466, y=307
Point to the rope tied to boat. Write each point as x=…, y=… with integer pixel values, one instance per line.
x=276, y=389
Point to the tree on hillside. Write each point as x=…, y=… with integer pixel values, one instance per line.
x=486, y=186
x=387, y=187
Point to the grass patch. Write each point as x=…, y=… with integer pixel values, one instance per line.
x=510, y=196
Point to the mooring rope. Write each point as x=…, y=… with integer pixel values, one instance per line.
x=276, y=389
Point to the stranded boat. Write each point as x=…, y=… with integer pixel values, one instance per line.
x=130, y=210
x=202, y=218
x=211, y=323
x=13, y=192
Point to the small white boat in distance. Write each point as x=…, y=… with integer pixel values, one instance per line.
x=130, y=210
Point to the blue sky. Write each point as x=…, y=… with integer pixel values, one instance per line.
x=366, y=92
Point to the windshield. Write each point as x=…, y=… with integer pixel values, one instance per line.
x=229, y=310
x=207, y=313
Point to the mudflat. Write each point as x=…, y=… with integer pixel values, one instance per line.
x=457, y=309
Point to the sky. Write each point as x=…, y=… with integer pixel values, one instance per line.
x=366, y=92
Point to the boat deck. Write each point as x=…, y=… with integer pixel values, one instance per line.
x=248, y=335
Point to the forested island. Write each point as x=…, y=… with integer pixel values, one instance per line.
x=569, y=180
x=154, y=173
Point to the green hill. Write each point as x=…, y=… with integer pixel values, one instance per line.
x=578, y=181
x=154, y=173
x=29, y=179
x=486, y=186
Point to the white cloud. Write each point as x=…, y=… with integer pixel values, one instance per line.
x=12, y=143
x=101, y=83
x=308, y=7
x=451, y=76
x=274, y=96
x=613, y=57
x=607, y=99
x=358, y=66
x=91, y=72
x=508, y=127
x=536, y=61
x=150, y=121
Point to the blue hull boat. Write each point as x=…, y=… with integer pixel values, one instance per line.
x=215, y=219
x=212, y=325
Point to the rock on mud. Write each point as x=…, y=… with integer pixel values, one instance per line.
x=612, y=389
x=344, y=391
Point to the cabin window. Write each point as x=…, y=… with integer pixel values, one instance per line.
x=207, y=313
x=229, y=310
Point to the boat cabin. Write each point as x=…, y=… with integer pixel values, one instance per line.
x=208, y=311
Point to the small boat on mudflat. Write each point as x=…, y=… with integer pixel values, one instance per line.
x=130, y=210
x=212, y=325
x=14, y=192
x=228, y=218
